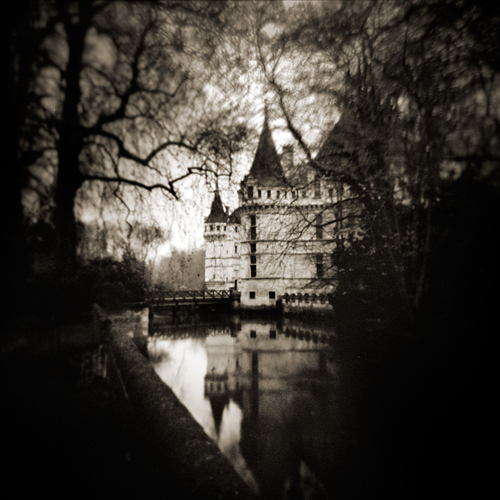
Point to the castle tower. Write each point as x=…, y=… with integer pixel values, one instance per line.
x=222, y=247
x=223, y=371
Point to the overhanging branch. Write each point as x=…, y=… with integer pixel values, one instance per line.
x=131, y=182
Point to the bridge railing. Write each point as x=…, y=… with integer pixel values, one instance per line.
x=190, y=296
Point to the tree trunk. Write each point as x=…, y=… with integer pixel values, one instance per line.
x=12, y=237
x=70, y=142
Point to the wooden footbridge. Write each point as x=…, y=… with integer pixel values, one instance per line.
x=193, y=297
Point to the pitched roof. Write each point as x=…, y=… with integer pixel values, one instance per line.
x=348, y=136
x=235, y=217
x=266, y=165
x=217, y=212
x=337, y=143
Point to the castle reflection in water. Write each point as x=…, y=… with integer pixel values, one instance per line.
x=265, y=391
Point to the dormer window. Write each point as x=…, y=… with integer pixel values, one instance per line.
x=317, y=187
x=250, y=191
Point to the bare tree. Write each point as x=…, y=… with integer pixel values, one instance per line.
x=120, y=100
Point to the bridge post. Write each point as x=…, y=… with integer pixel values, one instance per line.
x=235, y=298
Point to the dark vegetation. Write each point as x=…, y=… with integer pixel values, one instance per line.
x=425, y=381
x=52, y=297
x=462, y=271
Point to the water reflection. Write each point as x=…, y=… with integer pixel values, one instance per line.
x=264, y=391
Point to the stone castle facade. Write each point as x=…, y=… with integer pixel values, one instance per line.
x=278, y=243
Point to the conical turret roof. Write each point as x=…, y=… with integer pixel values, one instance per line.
x=266, y=164
x=218, y=403
x=217, y=212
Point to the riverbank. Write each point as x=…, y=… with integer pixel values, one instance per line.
x=63, y=434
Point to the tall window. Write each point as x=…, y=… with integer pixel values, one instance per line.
x=253, y=247
x=253, y=266
x=259, y=193
x=250, y=191
x=319, y=265
x=319, y=227
x=253, y=227
x=269, y=193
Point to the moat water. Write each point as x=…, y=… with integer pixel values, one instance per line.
x=268, y=392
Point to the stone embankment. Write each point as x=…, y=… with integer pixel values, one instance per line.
x=171, y=449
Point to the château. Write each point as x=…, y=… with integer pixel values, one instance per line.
x=278, y=243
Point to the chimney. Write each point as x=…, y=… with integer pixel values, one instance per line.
x=287, y=157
